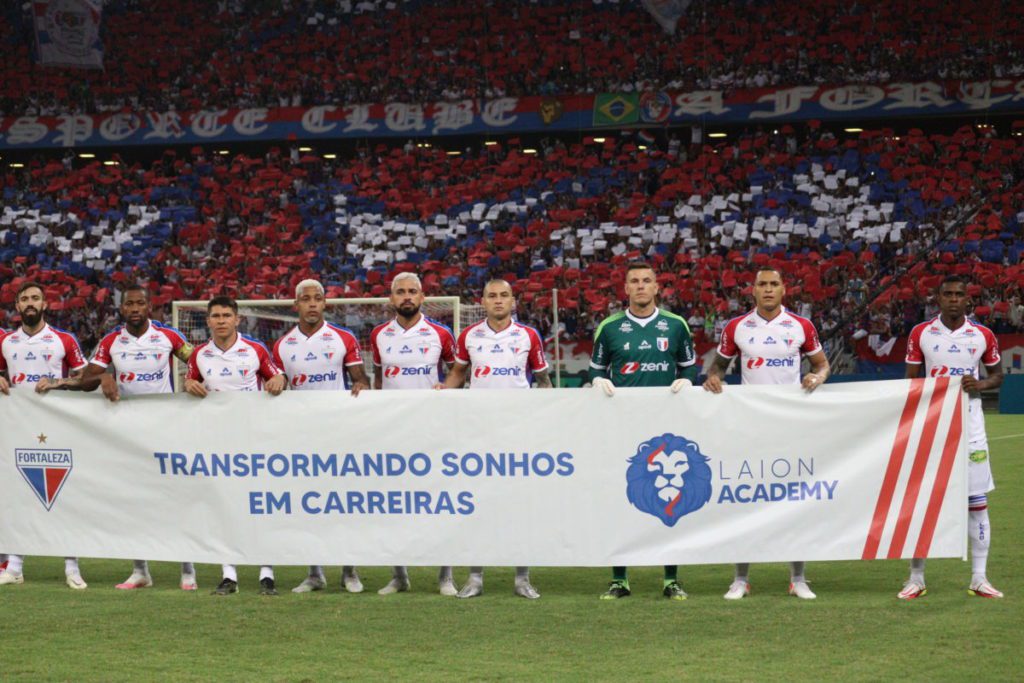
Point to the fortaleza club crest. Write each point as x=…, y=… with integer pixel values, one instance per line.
x=669, y=478
x=45, y=469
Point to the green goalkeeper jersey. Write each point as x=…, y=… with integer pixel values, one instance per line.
x=643, y=352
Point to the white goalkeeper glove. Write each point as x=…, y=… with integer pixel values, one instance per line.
x=679, y=384
x=604, y=385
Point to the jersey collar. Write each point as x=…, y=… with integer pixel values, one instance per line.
x=642, y=322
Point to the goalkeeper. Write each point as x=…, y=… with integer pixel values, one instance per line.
x=643, y=346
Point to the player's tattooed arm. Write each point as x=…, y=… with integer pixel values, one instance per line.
x=543, y=380
x=86, y=380
x=715, y=374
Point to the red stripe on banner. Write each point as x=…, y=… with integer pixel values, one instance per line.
x=924, y=449
x=892, y=471
x=931, y=516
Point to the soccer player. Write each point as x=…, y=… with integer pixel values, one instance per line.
x=643, y=346
x=952, y=345
x=315, y=355
x=772, y=341
x=411, y=351
x=232, y=362
x=506, y=354
x=33, y=355
x=139, y=355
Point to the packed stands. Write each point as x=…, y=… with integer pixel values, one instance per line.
x=863, y=227
x=190, y=54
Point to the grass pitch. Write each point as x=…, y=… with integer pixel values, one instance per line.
x=856, y=630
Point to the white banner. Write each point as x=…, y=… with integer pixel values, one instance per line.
x=560, y=477
x=68, y=32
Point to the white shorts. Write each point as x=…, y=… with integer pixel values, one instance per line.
x=979, y=470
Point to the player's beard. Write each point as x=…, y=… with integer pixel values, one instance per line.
x=31, y=317
x=408, y=311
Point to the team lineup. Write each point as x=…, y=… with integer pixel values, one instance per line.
x=641, y=346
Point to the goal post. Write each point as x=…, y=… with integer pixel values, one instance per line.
x=268, y=319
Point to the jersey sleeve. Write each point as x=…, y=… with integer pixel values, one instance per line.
x=275, y=353
x=3, y=360
x=461, y=349
x=268, y=370
x=353, y=352
x=73, y=356
x=686, y=355
x=727, y=347
x=374, y=345
x=193, y=368
x=599, y=357
x=811, y=343
x=914, y=353
x=180, y=347
x=536, y=360
x=991, y=355
x=447, y=345
x=103, y=356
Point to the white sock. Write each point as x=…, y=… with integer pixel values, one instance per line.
x=15, y=563
x=444, y=574
x=71, y=566
x=917, y=570
x=140, y=567
x=188, y=568
x=796, y=572
x=742, y=571
x=316, y=570
x=522, y=574
x=476, y=574
x=228, y=571
x=267, y=572
x=400, y=573
x=981, y=538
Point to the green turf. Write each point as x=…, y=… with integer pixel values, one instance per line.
x=855, y=630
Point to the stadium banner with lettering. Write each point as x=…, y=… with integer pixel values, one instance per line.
x=513, y=114
x=68, y=32
x=560, y=477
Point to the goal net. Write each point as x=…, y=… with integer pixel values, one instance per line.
x=268, y=320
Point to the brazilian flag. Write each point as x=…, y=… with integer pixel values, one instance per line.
x=616, y=109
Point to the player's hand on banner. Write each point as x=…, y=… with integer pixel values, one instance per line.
x=713, y=384
x=276, y=384
x=195, y=388
x=109, y=387
x=5, y=386
x=811, y=382
x=359, y=386
x=45, y=384
x=969, y=383
x=680, y=384
x=604, y=385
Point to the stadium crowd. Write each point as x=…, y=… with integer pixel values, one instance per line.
x=863, y=227
x=191, y=55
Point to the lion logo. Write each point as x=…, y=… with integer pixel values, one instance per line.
x=669, y=478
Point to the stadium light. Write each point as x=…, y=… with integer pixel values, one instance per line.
x=86, y=155
x=17, y=165
x=330, y=156
x=110, y=162
x=223, y=151
x=453, y=153
x=491, y=143
x=716, y=135
x=599, y=140
x=854, y=130
x=642, y=148
x=529, y=150
x=305, y=149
